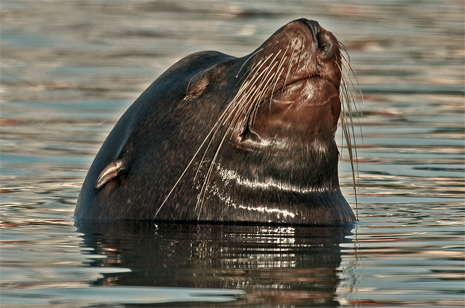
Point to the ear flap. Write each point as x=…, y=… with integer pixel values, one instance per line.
x=109, y=173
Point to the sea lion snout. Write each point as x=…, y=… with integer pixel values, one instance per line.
x=292, y=93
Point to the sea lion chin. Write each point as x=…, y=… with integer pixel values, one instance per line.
x=223, y=139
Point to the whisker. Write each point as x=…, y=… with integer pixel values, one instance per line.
x=243, y=107
x=230, y=109
x=211, y=134
x=262, y=88
x=279, y=71
x=238, y=109
x=251, y=56
x=215, y=128
x=254, y=66
x=291, y=60
x=252, y=91
x=348, y=110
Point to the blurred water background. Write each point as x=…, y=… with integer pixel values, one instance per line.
x=69, y=69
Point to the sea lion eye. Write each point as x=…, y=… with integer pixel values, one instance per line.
x=197, y=88
x=198, y=83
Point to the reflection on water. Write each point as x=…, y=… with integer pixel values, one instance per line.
x=271, y=263
x=69, y=70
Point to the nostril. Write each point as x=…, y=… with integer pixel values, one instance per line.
x=327, y=43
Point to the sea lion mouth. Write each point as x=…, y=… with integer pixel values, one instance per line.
x=312, y=79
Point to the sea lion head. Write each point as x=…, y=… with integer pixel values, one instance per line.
x=219, y=138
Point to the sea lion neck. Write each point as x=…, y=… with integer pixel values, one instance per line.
x=298, y=169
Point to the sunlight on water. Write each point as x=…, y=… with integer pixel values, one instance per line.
x=70, y=70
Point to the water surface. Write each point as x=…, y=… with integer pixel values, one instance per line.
x=69, y=69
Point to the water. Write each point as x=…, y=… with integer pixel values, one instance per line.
x=69, y=69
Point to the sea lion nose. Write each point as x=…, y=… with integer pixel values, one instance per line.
x=313, y=25
x=327, y=42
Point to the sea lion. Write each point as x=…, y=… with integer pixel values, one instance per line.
x=223, y=139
